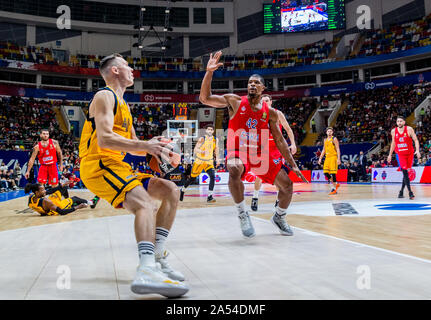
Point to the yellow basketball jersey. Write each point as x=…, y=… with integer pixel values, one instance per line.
x=36, y=204
x=207, y=149
x=330, y=147
x=123, y=122
x=56, y=198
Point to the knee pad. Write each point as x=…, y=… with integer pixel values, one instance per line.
x=334, y=177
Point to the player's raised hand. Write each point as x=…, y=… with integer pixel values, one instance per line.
x=213, y=62
x=299, y=174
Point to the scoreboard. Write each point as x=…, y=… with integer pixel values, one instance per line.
x=181, y=111
x=287, y=16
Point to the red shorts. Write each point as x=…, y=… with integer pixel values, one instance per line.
x=48, y=173
x=266, y=170
x=405, y=161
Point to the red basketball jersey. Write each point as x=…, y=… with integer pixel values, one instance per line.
x=249, y=129
x=47, y=155
x=403, y=143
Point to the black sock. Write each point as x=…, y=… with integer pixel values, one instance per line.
x=407, y=180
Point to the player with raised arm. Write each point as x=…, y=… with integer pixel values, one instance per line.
x=250, y=123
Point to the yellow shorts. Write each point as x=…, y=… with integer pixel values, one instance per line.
x=57, y=199
x=331, y=165
x=201, y=165
x=110, y=178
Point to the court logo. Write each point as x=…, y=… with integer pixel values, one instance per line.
x=404, y=206
x=341, y=209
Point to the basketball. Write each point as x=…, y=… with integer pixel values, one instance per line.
x=167, y=165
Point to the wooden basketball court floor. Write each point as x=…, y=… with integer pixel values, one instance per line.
x=363, y=243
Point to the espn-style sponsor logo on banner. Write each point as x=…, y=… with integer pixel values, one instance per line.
x=378, y=175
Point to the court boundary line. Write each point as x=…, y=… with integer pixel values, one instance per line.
x=352, y=242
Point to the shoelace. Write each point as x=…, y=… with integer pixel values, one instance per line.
x=244, y=220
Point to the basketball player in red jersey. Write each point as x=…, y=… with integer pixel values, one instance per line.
x=248, y=146
x=282, y=124
x=402, y=142
x=47, y=151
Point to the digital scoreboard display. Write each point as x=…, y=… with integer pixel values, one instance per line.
x=284, y=16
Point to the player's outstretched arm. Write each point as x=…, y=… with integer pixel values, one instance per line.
x=282, y=144
x=216, y=101
x=49, y=206
x=102, y=109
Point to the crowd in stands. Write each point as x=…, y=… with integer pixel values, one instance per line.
x=314, y=53
x=370, y=115
x=22, y=119
x=150, y=120
x=381, y=41
x=397, y=38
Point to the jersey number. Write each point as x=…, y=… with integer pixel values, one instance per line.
x=251, y=123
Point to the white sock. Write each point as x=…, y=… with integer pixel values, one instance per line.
x=256, y=194
x=183, y=189
x=146, y=254
x=210, y=193
x=161, y=236
x=280, y=212
x=240, y=206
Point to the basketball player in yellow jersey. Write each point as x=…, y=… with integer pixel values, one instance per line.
x=53, y=202
x=331, y=148
x=107, y=136
x=204, y=161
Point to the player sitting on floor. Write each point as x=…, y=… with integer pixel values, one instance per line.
x=54, y=201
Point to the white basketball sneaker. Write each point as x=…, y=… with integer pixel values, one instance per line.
x=246, y=225
x=163, y=265
x=152, y=280
x=282, y=225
